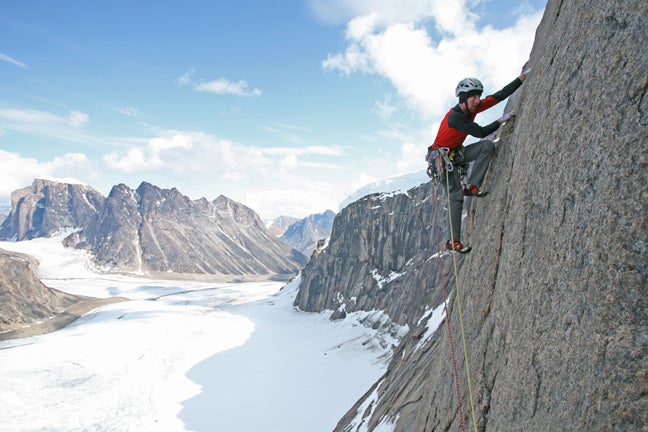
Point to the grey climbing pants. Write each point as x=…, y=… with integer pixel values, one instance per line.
x=479, y=154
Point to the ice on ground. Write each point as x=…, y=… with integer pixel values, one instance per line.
x=183, y=356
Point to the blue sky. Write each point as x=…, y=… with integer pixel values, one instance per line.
x=285, y=106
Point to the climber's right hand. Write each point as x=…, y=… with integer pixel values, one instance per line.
x=505, y=117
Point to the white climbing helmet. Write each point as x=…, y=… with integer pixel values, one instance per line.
x=469, y=84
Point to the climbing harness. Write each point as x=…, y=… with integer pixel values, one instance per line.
x=435, y=184
x=439, y=162
x=443, y=159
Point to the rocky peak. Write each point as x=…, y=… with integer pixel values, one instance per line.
x=48, y=206
x=154, y=199
x=279, y=226
x=305, y=234
x=228, y=209
x=162, y=232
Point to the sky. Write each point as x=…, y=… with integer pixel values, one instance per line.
x=186, y=356
x=285, y=106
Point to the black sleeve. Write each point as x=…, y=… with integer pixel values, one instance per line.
x=464, y=124
x=508, y=89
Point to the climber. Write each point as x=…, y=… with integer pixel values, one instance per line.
x=457, y=124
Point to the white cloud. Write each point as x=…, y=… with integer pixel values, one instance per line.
x=30, y=116
x=291, y=200
x=423, y=71
x=423, y=48
x=45, y=123
x=339, y=11
x=287, y=132
x=187, y=77
x=261, y=178
x=292, y=127
x=5, y=58
x=17, y=172
x=187, y=154
x=411, y=158
x=385, y=109
x=220, y=86
x=362, y=179
x=301, y=151
x=128, y=111
x=77, y=119
x=133, y=160
x=289, y=162
x=180, y=152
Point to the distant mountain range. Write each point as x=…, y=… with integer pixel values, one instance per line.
x=153, y=231
x=304, y=234
x=279, y=226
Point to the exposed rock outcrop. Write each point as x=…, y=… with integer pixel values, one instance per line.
x=24, y=299
x=28, y=307
x=554, y=296
x=163, y=233
x=304, y=234
x=382, y=254
x=46, y=207
x=279, y=226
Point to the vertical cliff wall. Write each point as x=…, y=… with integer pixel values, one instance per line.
x=381, y=256
x=554, y=295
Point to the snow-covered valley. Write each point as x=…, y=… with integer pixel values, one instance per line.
x=184, y=356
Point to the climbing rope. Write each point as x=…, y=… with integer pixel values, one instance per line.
x=445, y=306
x=456, y=274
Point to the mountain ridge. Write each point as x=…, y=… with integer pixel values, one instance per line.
x=305, y=234
x=153, y=231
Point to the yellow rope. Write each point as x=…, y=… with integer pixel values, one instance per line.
x=463, y=335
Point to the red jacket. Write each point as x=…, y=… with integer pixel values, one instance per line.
x=457, y=125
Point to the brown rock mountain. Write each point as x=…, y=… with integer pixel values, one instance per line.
x=153, y=231
x=281, y=224
x=47, y=206
x=163, y=233
x=304, y=234
x=24, y=300
x=554, y=295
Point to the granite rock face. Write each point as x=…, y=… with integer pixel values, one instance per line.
x=46, y=207
x=382, y=255
x=554, y=296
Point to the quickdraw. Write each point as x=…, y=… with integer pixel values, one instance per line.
x=442, y=160
x=439, y=162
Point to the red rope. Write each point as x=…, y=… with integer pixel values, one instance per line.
x=445, y=302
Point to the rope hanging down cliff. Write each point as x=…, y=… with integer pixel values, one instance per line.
x=435, y=184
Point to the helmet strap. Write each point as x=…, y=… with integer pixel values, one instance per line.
x=463, y=100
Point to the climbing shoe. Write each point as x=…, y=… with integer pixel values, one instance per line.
x=457, y=247
x=474, y=191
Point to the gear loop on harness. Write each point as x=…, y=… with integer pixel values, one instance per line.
x=439, y=161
